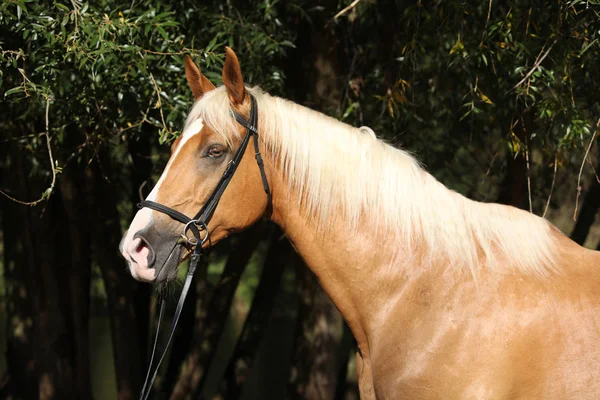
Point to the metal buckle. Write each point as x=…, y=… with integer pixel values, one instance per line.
x=194, y=240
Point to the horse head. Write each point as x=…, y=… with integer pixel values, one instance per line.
x=199, y=158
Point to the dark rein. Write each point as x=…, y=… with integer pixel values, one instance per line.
x=198, y=224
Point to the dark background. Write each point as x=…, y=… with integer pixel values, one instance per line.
x=499, y=99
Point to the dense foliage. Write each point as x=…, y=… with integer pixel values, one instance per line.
x=499, y=99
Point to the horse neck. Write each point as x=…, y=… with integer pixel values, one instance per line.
x=355, y=268
x=367, y=271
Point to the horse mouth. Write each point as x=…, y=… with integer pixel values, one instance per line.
x=167, y=271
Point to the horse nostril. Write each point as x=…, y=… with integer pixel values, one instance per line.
x=143, y=246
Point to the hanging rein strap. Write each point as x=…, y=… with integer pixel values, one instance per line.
x=198, y=224
x=194, y=260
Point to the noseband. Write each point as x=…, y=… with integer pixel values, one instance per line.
x=198, y=224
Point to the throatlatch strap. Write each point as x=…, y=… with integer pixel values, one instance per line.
x=252, y=129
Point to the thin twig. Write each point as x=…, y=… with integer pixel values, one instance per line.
x=17, y=53
x=141, y=190
x=7, y=140
x=571, y=85
x=133, y=126
x=491, y=164
x=528, y=174
x=487, y=21
x=48, y=191
x=159, y=104
x=487, y=173
x=536, y=65
x=102, y=121
x=552, y=186
x=594, y=170
x=171, y=53
x=25, y=79
x=75, y=13
x=581, y=170
x=140, y=122
x=345, y=10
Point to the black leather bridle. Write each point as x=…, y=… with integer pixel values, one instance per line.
x=198, y=224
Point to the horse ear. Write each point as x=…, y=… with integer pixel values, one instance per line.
x=232, y=77
x=198, y=82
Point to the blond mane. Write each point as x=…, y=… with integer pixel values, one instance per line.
x=343, y=174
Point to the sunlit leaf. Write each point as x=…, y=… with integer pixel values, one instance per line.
x=458, y=46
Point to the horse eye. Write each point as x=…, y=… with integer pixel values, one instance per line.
x=215, y=151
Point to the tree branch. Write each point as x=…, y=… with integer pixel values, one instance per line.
x=159, y=102
x=536, y=65
x=581, y=170
x=552, y=186
x=48, y=191
x=345, y=10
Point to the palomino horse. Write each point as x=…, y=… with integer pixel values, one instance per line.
x=446, y=297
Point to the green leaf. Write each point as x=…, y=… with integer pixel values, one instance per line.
x=62, y=7
x=14, y=90
x=213, y=77
x=465, y=115
x=349, y=110
x=163, y=33
x=458, y=46
x=162, y=15
x=212, y=44
x=586, y=48
x=21, y=4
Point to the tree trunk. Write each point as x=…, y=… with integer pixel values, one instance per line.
x=587, y=215
x=75, y=253
x=40, y=352
x=20, y=352
x=212, y=317
x=240, y=363
x=347, y=343
x=140, y=150
x=102, y=199
x=514, y=190
x=318, y=328
x=316, y=68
